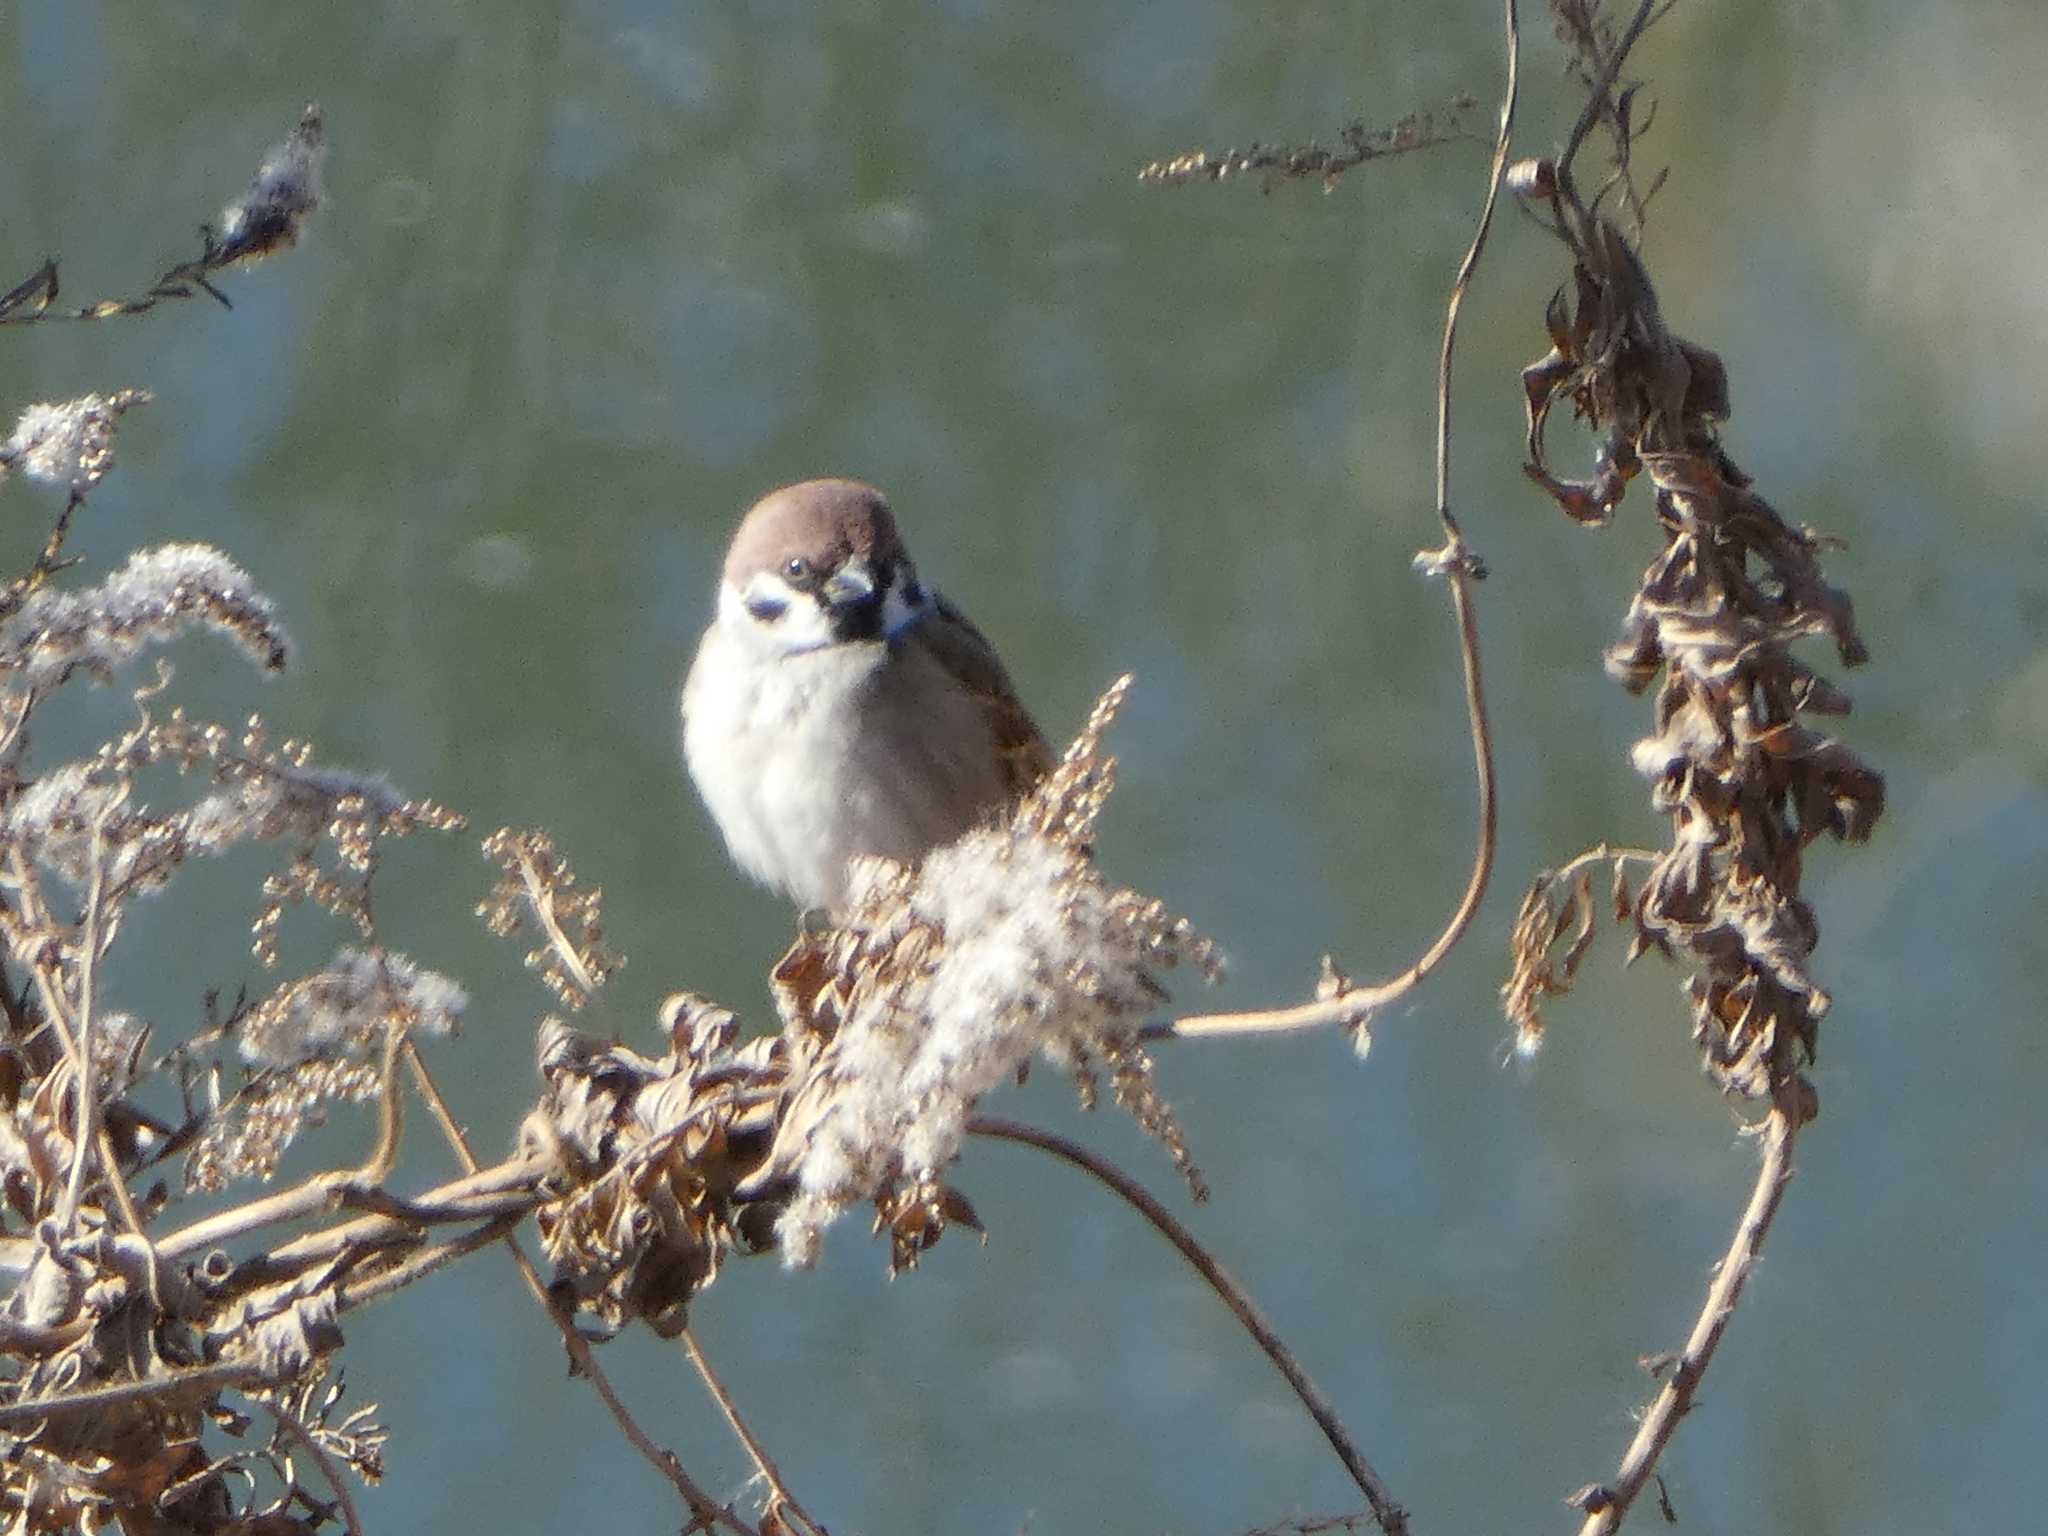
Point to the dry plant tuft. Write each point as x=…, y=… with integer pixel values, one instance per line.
x=49, y=633
x=69, y=444
x=1747, y=781
x=264, y=220
x=946, y=979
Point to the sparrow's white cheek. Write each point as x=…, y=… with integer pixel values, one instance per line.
x=774, y=616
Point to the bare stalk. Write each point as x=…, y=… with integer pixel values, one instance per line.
x=783, y=1507
x=1607, y=1506
x=1386, y=1509
x=1347, y=1006
x=85, y=1120
x=705, y=1511
x=190, y=1385
x=350, y=1294
x=484, y=1193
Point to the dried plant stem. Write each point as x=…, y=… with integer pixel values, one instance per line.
x=1386, y=1508
x=705, y=1511
x=351, y=1295
x=1603, y=853
x=540, y=899
x=1349, y=1006
x=782, y=1504
x=488, y=1192
x=1596, y=99
x=198, y=1383
x=1607, y=1507
x=85, y=1123
x=437, y=1106
x=290, y=1424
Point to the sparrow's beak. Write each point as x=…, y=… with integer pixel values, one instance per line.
x=853, y=603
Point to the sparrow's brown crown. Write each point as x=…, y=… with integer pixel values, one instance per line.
x=823, y=523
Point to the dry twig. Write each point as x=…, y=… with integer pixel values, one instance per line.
x=1606, y=1505
x=1357, y=144
x=1386, y=1509
x=1340, y=1002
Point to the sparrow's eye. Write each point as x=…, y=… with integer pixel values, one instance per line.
x=796, y=568
x=766, y=609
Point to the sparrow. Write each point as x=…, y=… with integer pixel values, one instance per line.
x=838, y=706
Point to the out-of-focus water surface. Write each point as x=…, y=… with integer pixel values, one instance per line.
x=592, y=276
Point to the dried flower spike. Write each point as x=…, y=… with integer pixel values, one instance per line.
x=266, y=218
x=69, y=443
x=944, y=980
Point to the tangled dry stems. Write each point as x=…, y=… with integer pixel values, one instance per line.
x=132, y=1337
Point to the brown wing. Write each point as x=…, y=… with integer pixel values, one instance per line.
x=966, y=654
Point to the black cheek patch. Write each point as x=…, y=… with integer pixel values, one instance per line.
x=767, y=609
x=860, y=620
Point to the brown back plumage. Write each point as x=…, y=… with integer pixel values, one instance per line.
x=966, y=654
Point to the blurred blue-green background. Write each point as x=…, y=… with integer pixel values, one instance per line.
x=593, y=276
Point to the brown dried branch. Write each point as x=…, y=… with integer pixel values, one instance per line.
x=1386, y=1509
x=1747, y=784
x=1607, y=1505
x=198, y=1382
x=783, y=1513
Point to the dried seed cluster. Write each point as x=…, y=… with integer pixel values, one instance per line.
x=652, y=1157
x=946, y=979
x=312, y=1041
x=537, y=894
x=1734, y=758
x=103, y=1298
x=1356, y=144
